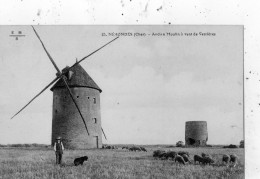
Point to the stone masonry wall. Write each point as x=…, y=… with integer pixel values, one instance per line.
x=68, y=124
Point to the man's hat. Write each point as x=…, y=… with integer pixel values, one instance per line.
x=58, y=138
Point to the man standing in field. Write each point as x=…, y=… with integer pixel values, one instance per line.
x=58, y=148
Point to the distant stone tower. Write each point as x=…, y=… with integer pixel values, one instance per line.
x=66, y=120
x=196, y=133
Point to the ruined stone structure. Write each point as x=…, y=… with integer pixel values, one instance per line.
x=66, y=120
x=196, y=133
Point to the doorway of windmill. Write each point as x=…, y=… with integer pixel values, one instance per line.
x=191, y=141
x=96, y=141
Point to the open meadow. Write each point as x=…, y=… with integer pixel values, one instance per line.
x=25, y=163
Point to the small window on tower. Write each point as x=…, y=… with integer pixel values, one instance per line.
x=94, y=100
x=95, y=120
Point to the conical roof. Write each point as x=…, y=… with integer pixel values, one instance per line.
x=79, y=78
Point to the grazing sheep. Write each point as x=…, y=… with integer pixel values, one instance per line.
x=134, y=148
x=108, y=147
x=138, y=149
x=179, y=159
x=198, y=158
x=233, y=159
x=208, y=160
x=80, y=160
x=170, y=154
x=105, y=146
x=182, y=153
x=226, y=159
x=162, y=155
x=186, y=158
x=131, y=149
x=114, y=147
x=206, y=155
x=143, y=149
x=157, y=153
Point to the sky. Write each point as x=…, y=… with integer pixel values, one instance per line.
x=151, y=85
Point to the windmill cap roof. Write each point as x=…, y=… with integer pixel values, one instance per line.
x=79, y=78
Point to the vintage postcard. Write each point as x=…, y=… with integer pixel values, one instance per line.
x=122, y=101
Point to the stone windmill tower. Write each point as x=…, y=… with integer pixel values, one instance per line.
x=196, y=133
x=66, y=121
x=76, y=105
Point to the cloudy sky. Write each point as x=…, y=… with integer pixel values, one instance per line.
x=151, y=84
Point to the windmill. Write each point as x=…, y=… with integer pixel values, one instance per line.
x=70, y=114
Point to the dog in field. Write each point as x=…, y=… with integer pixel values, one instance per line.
x=80, y=160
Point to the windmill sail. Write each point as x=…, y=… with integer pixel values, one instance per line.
x=104, y=133
x=77, y=62
x=37, y=96
x=62, y=76
x=52, y=61
x=74, y=101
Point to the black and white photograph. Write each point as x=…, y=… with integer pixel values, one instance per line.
x=122, y=101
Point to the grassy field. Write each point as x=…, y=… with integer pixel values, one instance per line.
x=25, y=163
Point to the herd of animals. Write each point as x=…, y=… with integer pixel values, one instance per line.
x=133, y=148
x=183, y=157
x=180, y=157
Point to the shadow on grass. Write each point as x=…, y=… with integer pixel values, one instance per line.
x=64, y=165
